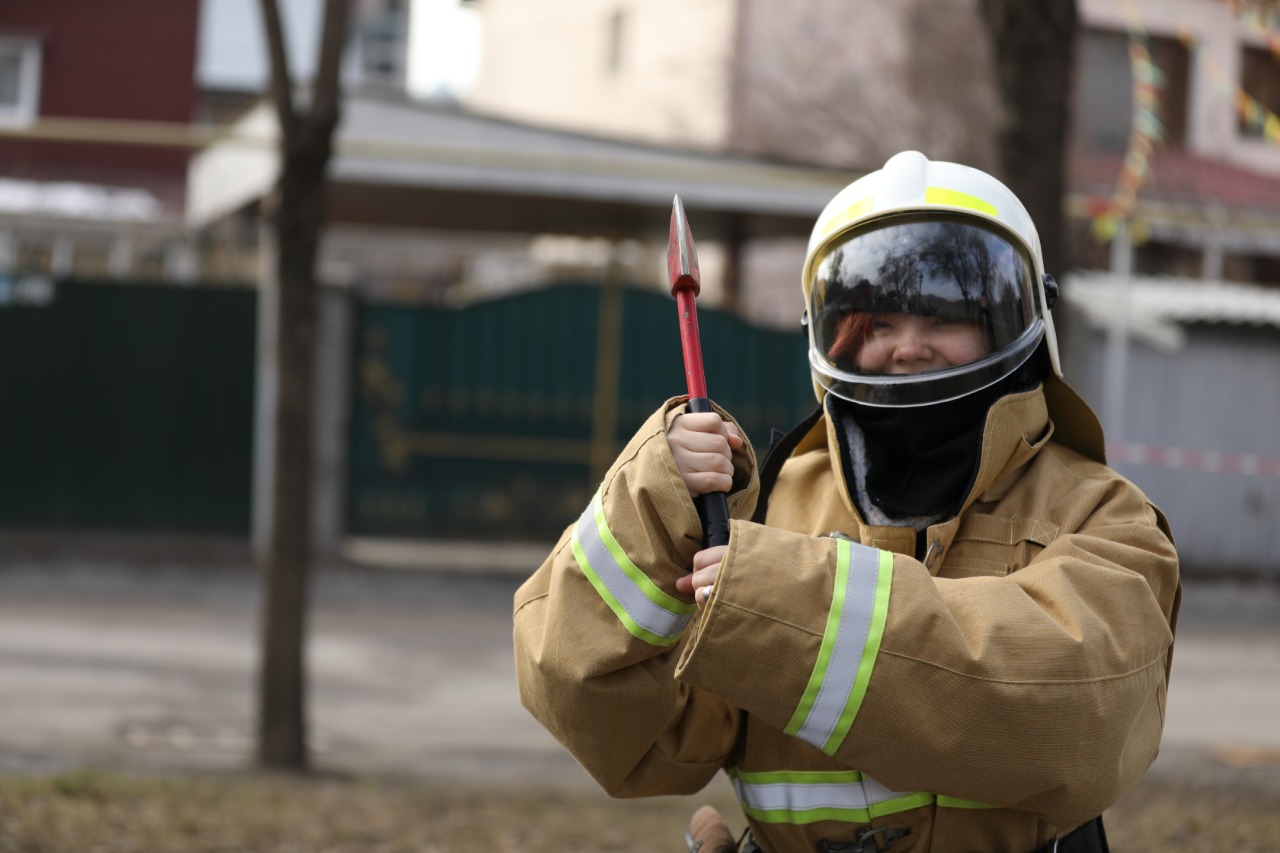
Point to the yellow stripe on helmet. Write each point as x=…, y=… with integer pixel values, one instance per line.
x=849, y=214
x=955, y=198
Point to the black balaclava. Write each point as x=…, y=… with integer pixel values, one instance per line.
x=922, y=459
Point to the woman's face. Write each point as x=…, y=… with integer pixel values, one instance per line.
x=902, y=344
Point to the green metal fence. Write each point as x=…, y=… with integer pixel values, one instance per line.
x=496, y=421
x=130, y=406
x=127, y=406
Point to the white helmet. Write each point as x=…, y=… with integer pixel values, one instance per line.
x=933, y=240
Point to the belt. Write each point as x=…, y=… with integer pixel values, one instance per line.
x=1086, y=838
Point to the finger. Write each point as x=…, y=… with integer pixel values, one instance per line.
x=702, y=472
x=707, y=484
x=705, y=577
x=708, y=425
x=702, y=442
x=690, y=584
x=704, y=463
x=704, y=422
x=709, y=557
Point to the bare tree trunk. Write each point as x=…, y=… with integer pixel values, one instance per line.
x=299, y=210
x=1034, y=44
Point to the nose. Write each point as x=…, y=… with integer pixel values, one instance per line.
x=912, y=346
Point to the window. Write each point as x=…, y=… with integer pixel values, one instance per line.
x=1104, y=113
x=1157, y=258
x=19, y=80
x=382, y=41
x=1253, y=269
x=1260, y=80
x=1174, y=59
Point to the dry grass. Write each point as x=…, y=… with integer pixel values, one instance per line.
x=114, y=813
x=99, y=812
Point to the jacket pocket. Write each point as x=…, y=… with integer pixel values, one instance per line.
x=993, y=546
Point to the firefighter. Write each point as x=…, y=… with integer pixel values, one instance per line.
x=941, y=622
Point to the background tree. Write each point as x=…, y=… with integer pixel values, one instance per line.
x=1034, y=49
x=297, y=213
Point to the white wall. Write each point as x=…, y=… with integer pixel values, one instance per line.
x=548, y=62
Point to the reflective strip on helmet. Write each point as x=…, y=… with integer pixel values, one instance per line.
x=955, y=198
x=850, y=642
x=844, y=795
x=854, y=211
x=645, y=611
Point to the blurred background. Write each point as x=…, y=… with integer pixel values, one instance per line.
x=494, y=318
x=492, y=314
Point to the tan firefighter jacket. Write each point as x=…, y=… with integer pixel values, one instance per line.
x=988, y=694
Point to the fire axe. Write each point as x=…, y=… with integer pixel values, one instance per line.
x=682, y=271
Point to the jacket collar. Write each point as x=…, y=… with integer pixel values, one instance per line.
x=1017, y=426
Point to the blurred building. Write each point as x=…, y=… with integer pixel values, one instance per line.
x=847, y=84
x=73, y=76
x=102, y=106
x=559, y=158
x=1174, y=175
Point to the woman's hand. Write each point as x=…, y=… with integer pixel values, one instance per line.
x=705, y=566
x=702, y=446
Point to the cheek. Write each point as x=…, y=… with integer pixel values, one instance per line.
x=969, y=345
x=871, y=355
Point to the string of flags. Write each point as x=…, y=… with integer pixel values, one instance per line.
x=1146, y=130
x=1253, y=113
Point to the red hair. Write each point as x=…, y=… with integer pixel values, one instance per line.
x=850, y=333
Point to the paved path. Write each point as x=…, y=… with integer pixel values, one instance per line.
x=105, y=661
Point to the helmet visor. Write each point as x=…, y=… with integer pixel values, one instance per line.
x=912, y=299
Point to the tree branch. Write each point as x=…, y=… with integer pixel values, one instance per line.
x=281, y=80
x=325, y=91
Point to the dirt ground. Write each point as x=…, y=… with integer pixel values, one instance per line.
x=140, y=665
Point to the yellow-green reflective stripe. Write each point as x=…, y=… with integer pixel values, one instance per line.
x=808, y=797
x=803, y=797
x=850, y=642
x=850, y=213
x=645, y=611
x=955, y=198
x=883, y=582
x=840, y=584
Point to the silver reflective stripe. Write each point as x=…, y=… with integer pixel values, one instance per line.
x=803, y=797
x=807, y=797
x=646, y=611
x=855, y=624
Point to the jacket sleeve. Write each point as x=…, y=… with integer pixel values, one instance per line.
x=1041, y=691
x=599, y=625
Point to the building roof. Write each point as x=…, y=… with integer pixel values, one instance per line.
x=402, y=163
x=1176, y=175
x=1157, y=308
x=1186, y=198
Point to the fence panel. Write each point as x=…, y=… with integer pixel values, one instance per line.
x=128, y=406
x=491, y=421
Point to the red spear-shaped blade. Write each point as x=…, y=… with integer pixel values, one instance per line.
x=682, y=271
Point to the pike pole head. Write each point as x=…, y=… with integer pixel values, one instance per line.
x=682, y=256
